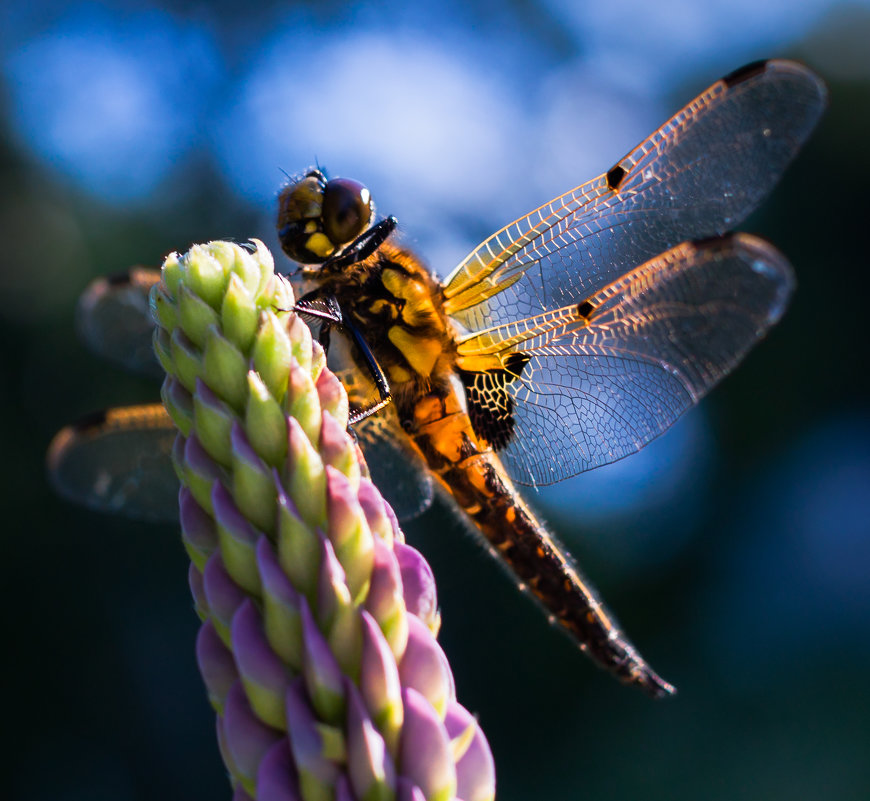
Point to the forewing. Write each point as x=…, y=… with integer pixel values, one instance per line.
x=698, y=175
x=119, y=461
x=595, y=381
x=113, y=319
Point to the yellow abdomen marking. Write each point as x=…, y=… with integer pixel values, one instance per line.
x=446, y=437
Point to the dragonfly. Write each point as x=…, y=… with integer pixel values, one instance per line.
x=565, y=341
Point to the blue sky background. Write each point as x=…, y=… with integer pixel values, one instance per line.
x=736, y=546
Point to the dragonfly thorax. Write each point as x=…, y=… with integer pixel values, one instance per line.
x=397, y=305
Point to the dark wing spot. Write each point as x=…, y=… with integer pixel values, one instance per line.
x=90, y=421
x=490, y=406
x=712, y=243
x=585, y=308
x=515, y=363
x=614, y=177
x=744, y=73
x=122, y=278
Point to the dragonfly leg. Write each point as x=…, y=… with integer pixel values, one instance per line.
x=377, y=374
x=324, y=308
x=363, y=246
x=327, y=310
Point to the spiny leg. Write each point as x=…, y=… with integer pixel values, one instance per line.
x=328, y=311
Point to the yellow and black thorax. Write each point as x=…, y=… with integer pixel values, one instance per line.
x=397, y=304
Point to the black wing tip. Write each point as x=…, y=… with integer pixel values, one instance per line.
x=96, y=292
x=782, y=66
x=89, y=421
x=716, y=240
x=732, y=240
x=763, y=258
x=746, y=72
x=738, y=240
x=119, y=278
x=735, y=241
x=68, y=435
x=137, y=275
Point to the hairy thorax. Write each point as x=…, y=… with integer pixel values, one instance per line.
x=397, y=304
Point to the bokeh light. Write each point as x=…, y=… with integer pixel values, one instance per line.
x=113, y=101
x=734, y=548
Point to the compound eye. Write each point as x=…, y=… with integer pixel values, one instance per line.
x=347, y=209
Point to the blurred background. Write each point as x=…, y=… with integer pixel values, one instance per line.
x=735, y=550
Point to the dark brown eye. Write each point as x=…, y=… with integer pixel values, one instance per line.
x=347, y=209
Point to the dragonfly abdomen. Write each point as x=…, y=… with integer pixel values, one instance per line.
x=475, y=477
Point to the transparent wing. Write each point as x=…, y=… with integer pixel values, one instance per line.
x=119, y=461
x=105, y=462
x=592, y=382
x=398, y=471
x=400, y=474
x=113, y=319
x=698, y=175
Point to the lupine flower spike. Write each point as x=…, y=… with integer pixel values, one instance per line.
x=317, y=645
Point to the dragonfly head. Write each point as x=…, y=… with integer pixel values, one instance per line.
x=317, y=217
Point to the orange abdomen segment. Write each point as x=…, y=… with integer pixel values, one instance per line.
x=475, y=477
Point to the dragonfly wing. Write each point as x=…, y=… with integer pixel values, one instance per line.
x=398, y=471
x=113, y=318
x=595, y=381
x=698, y=175
x=119, y=461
